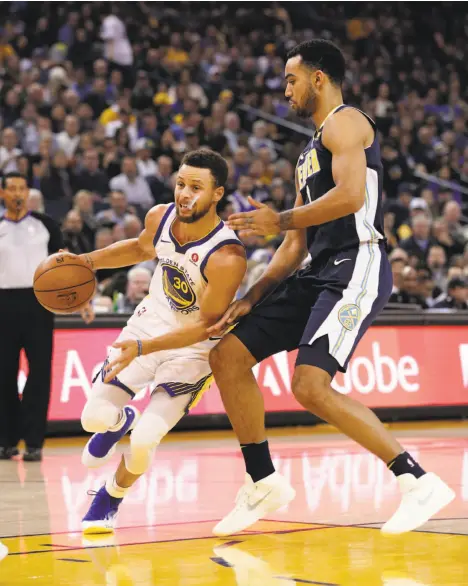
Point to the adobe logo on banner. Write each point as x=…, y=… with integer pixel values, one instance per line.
x=392, y=367
x=379, y=372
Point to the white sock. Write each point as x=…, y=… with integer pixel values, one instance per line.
x=120, y=423
x=114, y=489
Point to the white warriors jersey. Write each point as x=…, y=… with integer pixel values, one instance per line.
x=179, y=280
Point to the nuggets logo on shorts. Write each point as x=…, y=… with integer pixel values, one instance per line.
x=177, y=289
x=349, y=316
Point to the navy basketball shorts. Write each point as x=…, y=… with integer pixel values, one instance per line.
x=323, y=310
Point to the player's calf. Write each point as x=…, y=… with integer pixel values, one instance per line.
x=148, y=433
x=145, y=438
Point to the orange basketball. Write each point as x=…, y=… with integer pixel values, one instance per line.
x=64, y=283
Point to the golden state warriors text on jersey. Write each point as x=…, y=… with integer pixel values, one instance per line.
x=178, y=287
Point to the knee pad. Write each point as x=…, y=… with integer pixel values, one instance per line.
x=146, y=436
x=99, y=415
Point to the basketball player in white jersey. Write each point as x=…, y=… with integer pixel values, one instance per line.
x=165, y=344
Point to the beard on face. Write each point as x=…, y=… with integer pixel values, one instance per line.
x=309, y=106
x=196, y=215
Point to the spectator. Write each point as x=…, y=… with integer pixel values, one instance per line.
x=282, y=199
x=400, y=207
x=399, y=253
x=149, y=127
x=238, y=199
x=9, y=152
x=232, y=130
x=90, y=177
x=194, y=91
x=117, y=46
x=74, y=239
x=425, y=289
x=389, y=225
x=138, y=282
x=407, y=290
x=135, y=187
x=118, y=211
x=56, y=187
x=104, y=238
x=452, y=215
x=142, y=95
x=398, y=265
x=35, y=201
x=160, y=184
x=419, y=243
x=259, y=139
x=97, y=98
x=146, y=166
x=437, y=263
x=84, y=205
x=124, y=130
x=69, y=139
x=132, y=227
x=445, y=239
x=27, y=130
x=457, y=295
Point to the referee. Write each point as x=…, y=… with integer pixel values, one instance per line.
x=26, y=239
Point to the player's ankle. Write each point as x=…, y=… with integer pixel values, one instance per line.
x=257, y=459
x=404, y=463
x=114, y=490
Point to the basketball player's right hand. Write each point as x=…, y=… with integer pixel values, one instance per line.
x=233, y=313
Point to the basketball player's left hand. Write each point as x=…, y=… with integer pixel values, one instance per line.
x=128, y=353
x=262, y=221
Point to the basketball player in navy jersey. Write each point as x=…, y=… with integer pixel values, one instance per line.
x=324, y=309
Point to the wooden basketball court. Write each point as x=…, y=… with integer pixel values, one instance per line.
x=328, y=536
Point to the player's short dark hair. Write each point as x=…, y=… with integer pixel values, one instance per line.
x=11, y=175
x=207, y=159
x=324, y=55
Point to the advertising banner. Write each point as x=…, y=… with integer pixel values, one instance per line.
x=401, y=366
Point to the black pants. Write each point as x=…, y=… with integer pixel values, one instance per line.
x=24, y=324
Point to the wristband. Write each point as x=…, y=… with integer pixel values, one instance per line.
x=140, y=347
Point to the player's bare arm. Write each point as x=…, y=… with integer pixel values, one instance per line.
x=345, y=135
x=131, y=251
x=288, y=257
x=224, y=272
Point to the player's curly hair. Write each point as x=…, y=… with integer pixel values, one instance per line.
x=324, y=55
x=205, y=158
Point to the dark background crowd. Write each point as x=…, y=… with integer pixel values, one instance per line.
x=100, y=101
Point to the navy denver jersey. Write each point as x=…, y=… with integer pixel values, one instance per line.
x=314, y=175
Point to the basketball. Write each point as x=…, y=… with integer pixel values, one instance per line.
x=63, y=283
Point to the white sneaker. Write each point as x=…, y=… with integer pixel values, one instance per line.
x=421, y=499
x=3, y=551
x=254, y=501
